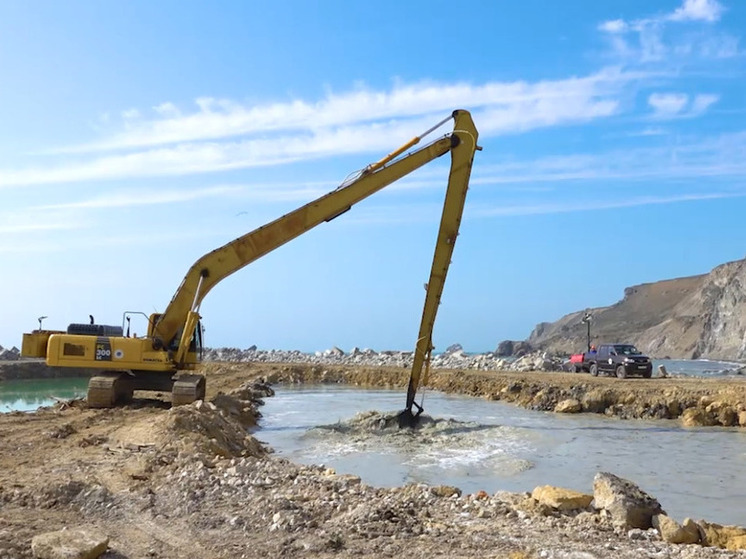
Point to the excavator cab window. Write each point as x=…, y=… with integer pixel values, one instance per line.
x=195, y=346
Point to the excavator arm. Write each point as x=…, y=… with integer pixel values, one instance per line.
x=179, y=319
x=453, y=207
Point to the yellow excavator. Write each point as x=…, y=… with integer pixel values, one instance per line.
x=164, y=359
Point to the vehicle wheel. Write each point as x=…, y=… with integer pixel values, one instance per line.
x=621, y=372
x=648, y=373
x=594, y=370
x=573, y=368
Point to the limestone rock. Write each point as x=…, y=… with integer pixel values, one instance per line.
x=561, y=499
x=627, y=504
x=732, y=538
x=568, y=406
x=445, y=491
x=697, y=417
x=597, y=400
x=69, y=544
x=673, y=532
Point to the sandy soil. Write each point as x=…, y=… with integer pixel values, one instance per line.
x=189, y=482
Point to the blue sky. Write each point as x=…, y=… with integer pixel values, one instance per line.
x=137, y=136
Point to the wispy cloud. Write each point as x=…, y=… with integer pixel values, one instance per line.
x=221, y=118
x=669, y=105
x=698, y=10
x=655, y=38
x=596, y=205
x=133, y=198
x=32, y=226
x=206, y=140
x=721, y=156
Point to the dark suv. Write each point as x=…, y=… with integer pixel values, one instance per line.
x=623, y=360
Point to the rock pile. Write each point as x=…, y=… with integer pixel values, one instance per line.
x=12, y=354
x=453, y=358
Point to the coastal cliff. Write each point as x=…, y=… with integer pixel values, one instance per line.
x=690, y=318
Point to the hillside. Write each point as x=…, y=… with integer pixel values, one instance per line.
x=693, y=317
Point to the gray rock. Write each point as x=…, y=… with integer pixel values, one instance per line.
x=504, y=348
x=78, y=543
x=453, y=349
x=627, y=504
x=521, y=348
x=12, y=354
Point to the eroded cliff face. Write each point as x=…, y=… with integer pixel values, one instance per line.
x=693, y=317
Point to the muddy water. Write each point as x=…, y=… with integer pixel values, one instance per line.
x=476, y=444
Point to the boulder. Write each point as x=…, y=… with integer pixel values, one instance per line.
x=673, y=532
x=568, y=406
x=12, y=354
x=504, y=348
x=732, y=538
x=697, y=417
x=627, y=504
x=69, y=544
x=597, y=400
x=561, y=499
x=521, y=348
x=445, y=491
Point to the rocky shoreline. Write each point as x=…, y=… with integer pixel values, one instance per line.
x=694, y=401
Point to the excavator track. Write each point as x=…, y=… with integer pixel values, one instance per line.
x=188, y=389
x=106, y=390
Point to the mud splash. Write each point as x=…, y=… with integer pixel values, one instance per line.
x=435, y=443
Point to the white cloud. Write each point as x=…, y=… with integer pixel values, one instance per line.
x=668, y=104
x=167, y=110
x=361, y=121
x=656, y=38
x=698, y=10
x=614, y=26
x=702, y=102
x=220, y=118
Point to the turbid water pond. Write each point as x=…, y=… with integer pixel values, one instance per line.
x=477, y=445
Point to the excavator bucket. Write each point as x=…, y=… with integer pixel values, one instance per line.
x=408, y=420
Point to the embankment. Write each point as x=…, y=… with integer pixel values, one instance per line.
x=696, y=401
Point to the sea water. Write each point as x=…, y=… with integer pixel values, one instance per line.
x=30, y=394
